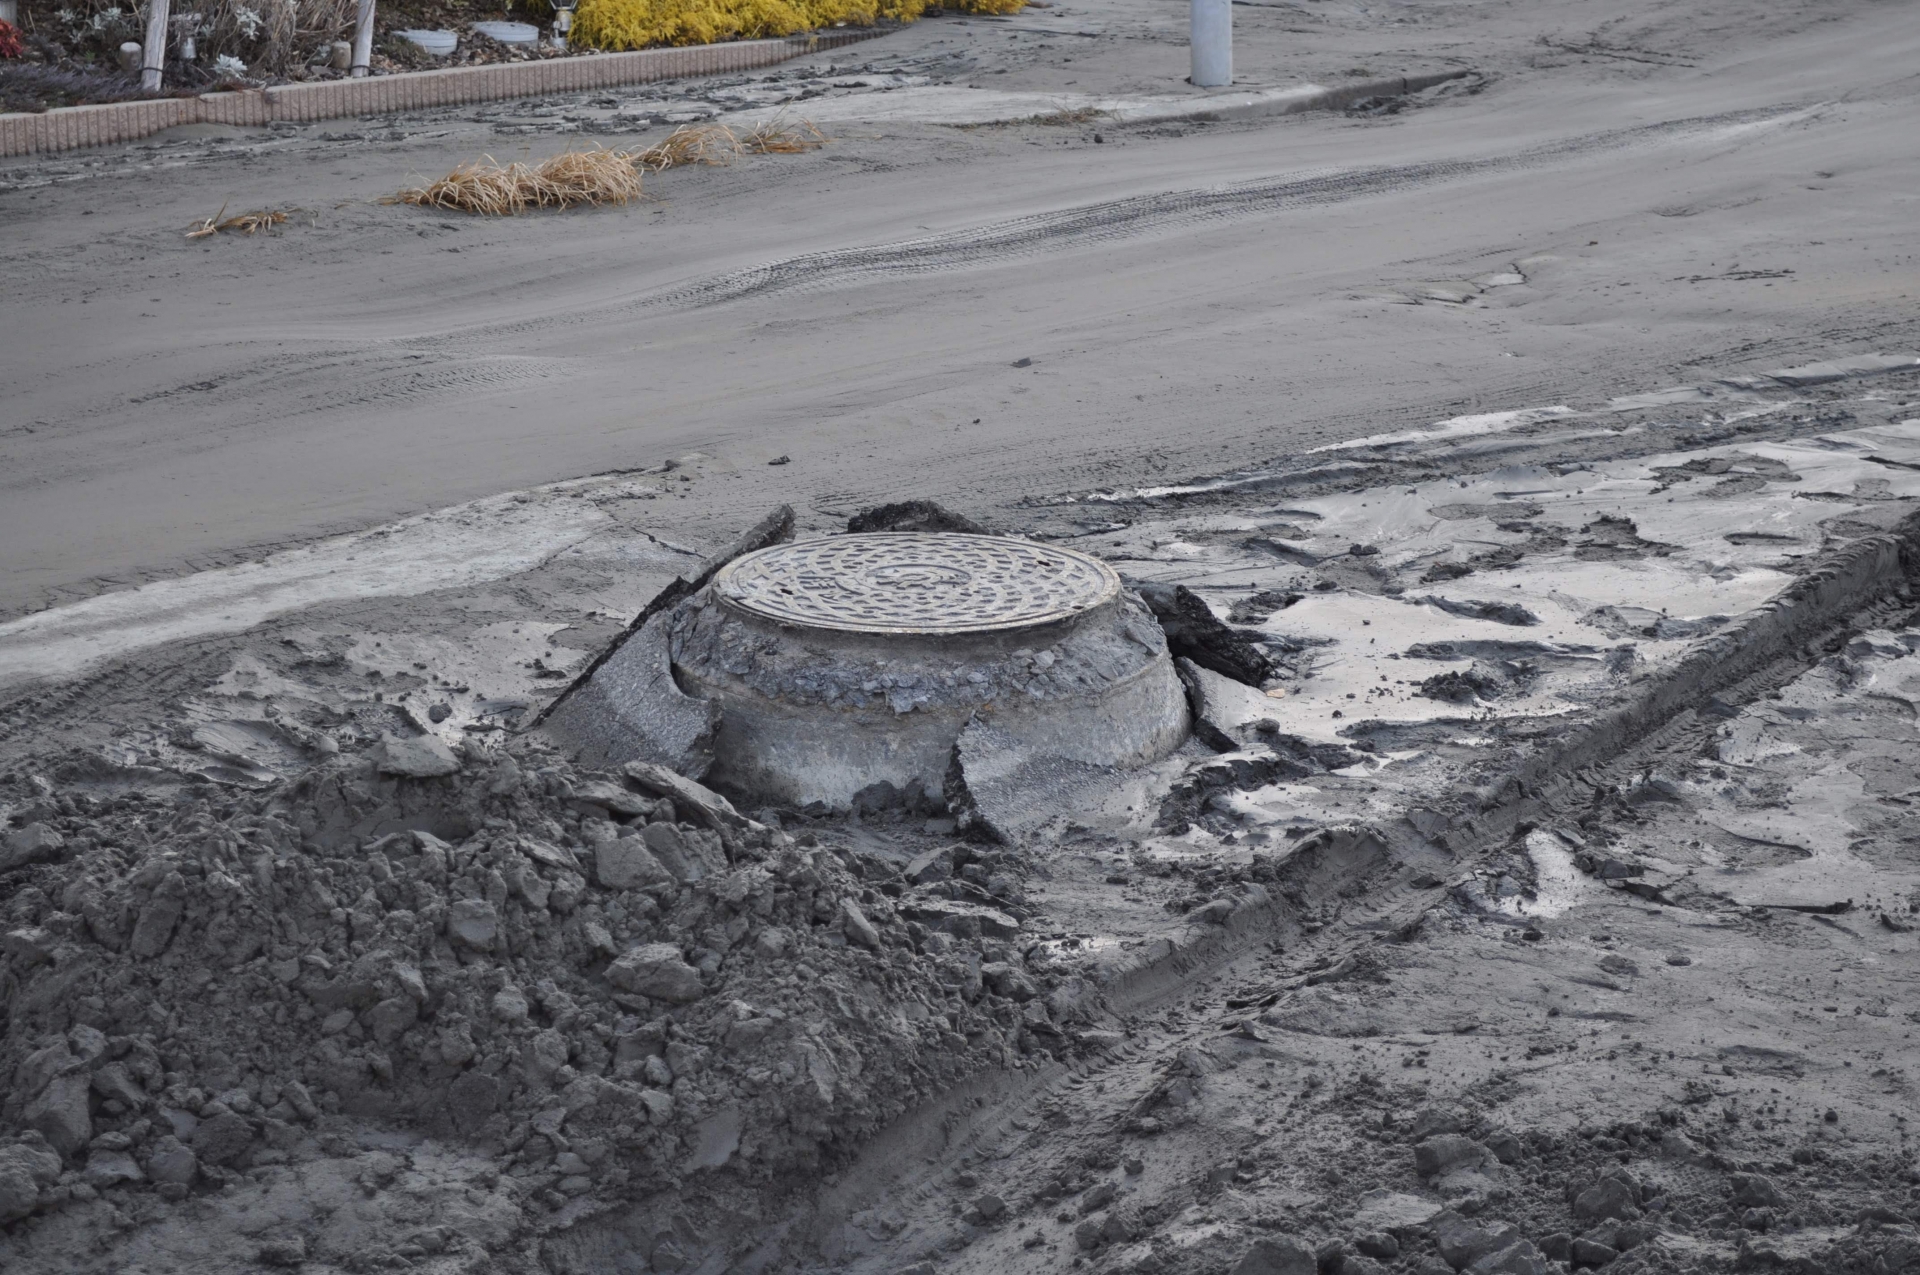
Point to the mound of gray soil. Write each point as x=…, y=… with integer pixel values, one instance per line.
x=601, y=988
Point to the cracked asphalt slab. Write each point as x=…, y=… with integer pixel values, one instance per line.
x=1549, y=905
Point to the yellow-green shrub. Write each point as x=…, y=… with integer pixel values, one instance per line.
x=637, y=24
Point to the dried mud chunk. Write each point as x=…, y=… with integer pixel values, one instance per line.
x=961, y=920
x=421, y=757
x=1753, y=1190
x=1607, y=1199
x=473, y=922
x=930, y=865
x=289, y=1251
x=1377, y=1244
x=29, y=946
x=60, y=1113
x=1586, y=1252
x=172, y=1161
x=34, y=843
x=1610, y=538
x=914, y=515
x=544, y=1055
x=682, y=853
x=692, y=800
x=154, y=930
x=1462, y=1242
x=1464, y=511
x=1446, y=1152
x=24, y=1169
x=1256, y=608
x=33, y=1156
x=111, y=1168
x=1441, y=572
x=391, y=1017
x=112, y=1082
x=1195, y=632
x=19, y=1194
x=1277, y=1255
x=855, y=925
x=1008, y=980
x=1519, y=1258
x=656, y=970
x=1472, y=609
x=626, y=863
x=223, y=1139
x=471, y=1099
x=592, y=793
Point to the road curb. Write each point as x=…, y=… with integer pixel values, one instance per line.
x=1265, y=103
x=75, y=127
x=1330, y=99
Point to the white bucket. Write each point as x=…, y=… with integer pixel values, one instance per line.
x=434, y=43
x=521, y=35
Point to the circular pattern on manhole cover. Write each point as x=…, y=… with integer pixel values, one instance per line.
x=915, y=582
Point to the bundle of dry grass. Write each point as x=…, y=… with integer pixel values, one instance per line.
x=716, y=144
x=567, y=179
x=712, y=144
x=589, y=177
x=247, y=223
x=777, y=137
x=601, y=176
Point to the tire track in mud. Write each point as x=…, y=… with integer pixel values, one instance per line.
x=282, y=387
x=897, y=1173
x=1086, y=225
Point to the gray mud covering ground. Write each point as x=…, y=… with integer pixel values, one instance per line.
x=1539, y=454
x=557, y=990
x=1457, y=946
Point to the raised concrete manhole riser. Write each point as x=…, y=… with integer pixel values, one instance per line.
x=832, y=665
x=916, y=585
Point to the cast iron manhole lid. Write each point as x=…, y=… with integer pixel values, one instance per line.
x=915, y=582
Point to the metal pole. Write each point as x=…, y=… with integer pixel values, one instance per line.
x=153, y=57
x=363, y=41
x=1210, y=31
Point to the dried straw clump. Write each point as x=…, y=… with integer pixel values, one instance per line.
x=712, y=144
x=494, y=190
x=247, y=223
x=589, y=177
x=716, y=144
x=776, y=137
x=601, y=176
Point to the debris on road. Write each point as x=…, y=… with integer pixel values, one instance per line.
x=240, y=964
x=598, y=175
x=590, y=177
x=245, y=223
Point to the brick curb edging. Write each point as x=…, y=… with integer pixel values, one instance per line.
x=72, y=127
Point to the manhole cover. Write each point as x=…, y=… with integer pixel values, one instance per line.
x=909, y=582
